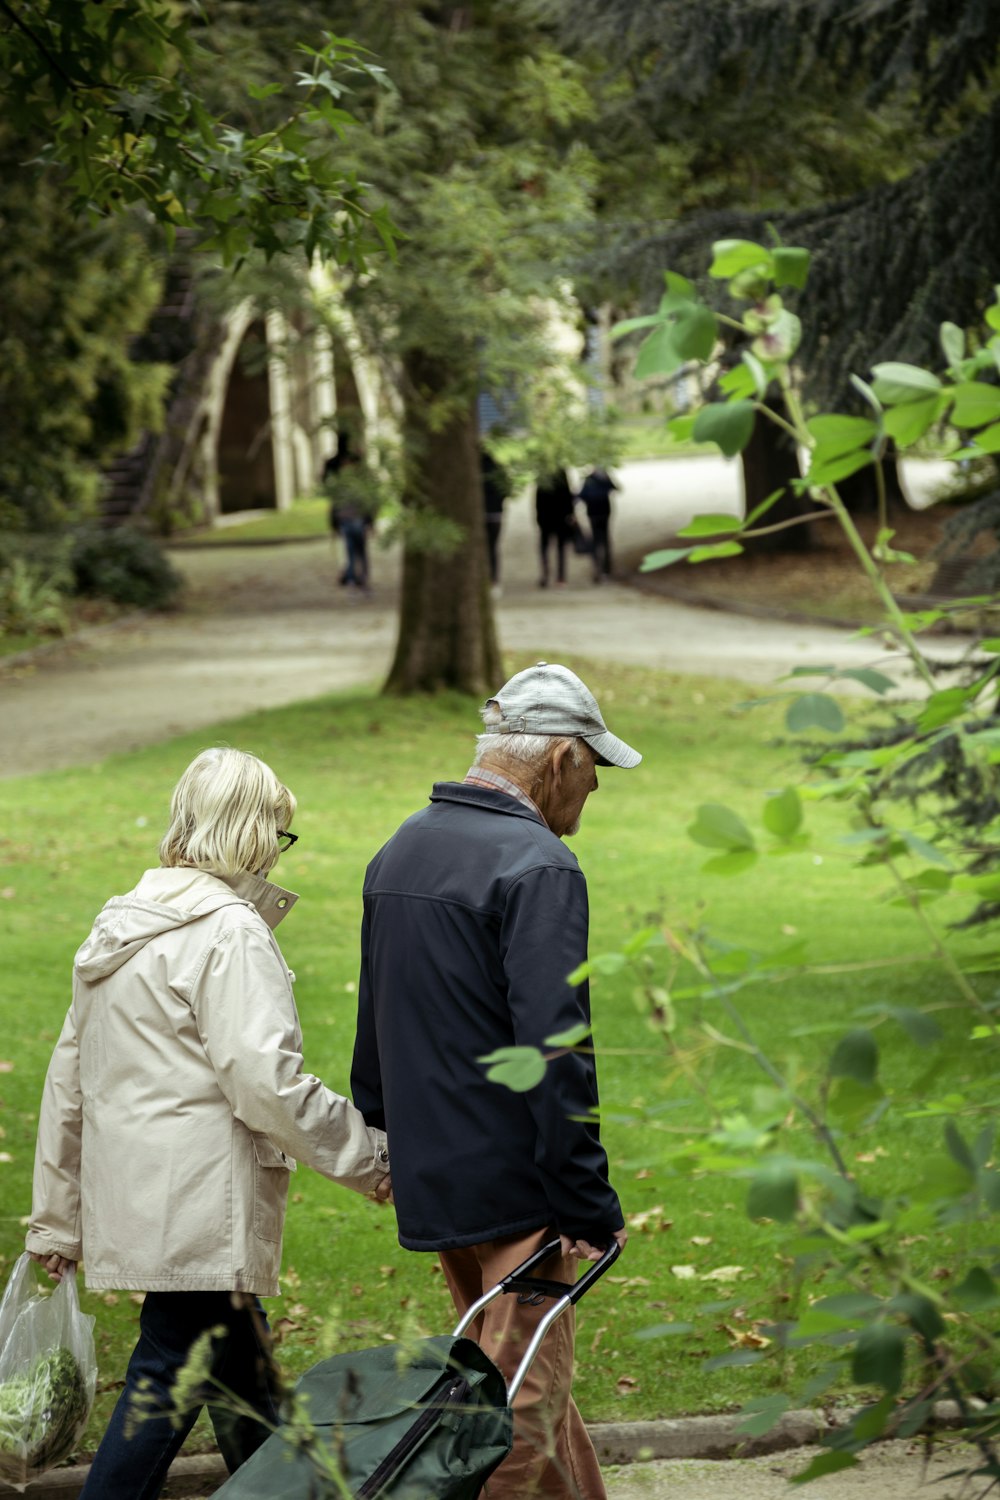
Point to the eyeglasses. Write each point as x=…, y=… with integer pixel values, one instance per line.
x=286, y=840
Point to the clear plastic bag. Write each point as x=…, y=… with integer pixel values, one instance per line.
x=48, y=1374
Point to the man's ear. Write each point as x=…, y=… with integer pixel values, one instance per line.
x=558, y=756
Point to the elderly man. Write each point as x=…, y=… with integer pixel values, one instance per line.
x=475, y=912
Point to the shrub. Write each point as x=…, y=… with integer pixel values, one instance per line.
x=30, y=601
x=125, y=566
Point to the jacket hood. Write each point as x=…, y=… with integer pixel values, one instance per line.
x=167, y=899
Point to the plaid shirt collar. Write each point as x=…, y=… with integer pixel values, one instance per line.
x=479, y=776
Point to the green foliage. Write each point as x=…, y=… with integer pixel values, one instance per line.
x=31, y=603
x=42, y=1413
x=124, y=565
x=75, y=298
x=115, y=94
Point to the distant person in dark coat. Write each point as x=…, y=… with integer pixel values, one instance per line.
x=352, y=513
x=596, y=496
x=495, y=491
x=554, y=514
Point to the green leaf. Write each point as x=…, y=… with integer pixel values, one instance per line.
x=663, y=559
x=713, y=525
x=895, y=383
x=658, y=354
x=713, y=551
x=877, y=681
x=878, y=1357
x=958, y=1150
x=920, y=1312
x=942, y=707
x=814, y=711
x=738, y=1358
x=791, y=266
x=978, y=1292
x=952, y=343
x=987, y=441
x=679, y=287
x=739, y=381
x=783, y=813
x=855, y=1056
x=906, y=423
x=975, y=404
x=718, y=827
x=924, y=849
x=825, y=1463
x=735, y=863
x=663, y=1330
x=517, y=1068
x=730, y=257
x=761, y=1414
x=695, y=331
x=629, y=325
x=774, y=1194
x=571, y=1038
x=832, y=471
x=759, y=375
x=263, y=90
x=920, y=1028
x=729, y=424
x=835, y=435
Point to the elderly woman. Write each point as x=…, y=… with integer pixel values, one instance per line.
x=174, y=1109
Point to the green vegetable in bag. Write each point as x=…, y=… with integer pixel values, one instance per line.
x=41, y=1414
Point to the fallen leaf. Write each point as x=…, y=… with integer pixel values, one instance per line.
x=642, y=1174
x=5, y=1156
x=871, y=1155
x=723, y=1273
x=8, y=893
x=744, y=1338
x=650, y=1220
x=387, y=1271
x=597, y=1338
x=137, y=1297
x=684, y=1273
x=6, y=1067
x=110, y=1299
x=626, y=1385
x=701, y=1239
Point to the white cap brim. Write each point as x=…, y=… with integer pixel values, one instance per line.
x=611, y=751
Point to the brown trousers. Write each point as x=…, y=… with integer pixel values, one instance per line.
x=553, y=1455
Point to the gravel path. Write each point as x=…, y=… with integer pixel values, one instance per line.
x=268, y=625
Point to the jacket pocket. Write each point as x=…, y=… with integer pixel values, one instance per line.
x=271, y=1170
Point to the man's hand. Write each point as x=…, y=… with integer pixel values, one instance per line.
x=57, y=1266
x=383, y=1193
x=584, y=1250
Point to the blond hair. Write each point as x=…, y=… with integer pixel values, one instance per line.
x=225, y=814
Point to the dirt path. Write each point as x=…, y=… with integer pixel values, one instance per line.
x=268, y=626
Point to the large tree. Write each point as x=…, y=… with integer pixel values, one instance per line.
x=866, y=132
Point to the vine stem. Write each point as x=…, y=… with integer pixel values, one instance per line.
x=940, y=951
x=871, y=569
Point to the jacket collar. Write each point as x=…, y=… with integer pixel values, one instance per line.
x=486, y=798
x=272, y=901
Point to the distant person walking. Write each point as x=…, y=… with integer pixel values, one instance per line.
x=554, y=514
x=495, y=491
x=352, y=513
x=596, y=496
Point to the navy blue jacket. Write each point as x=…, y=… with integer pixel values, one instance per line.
x=474, y=914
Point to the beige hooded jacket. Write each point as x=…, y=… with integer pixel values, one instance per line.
x=175, y=1103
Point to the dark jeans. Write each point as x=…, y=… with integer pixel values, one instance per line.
x=547, y=539
x=355, y=534
x=493, y=525
x=602, y=548
x=134, y=1456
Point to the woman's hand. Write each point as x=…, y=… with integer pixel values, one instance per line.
x=57, y=1266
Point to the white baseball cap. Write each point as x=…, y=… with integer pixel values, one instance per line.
x=550, y=699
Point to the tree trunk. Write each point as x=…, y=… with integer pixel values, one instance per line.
x=771, y=462
x=447, y=637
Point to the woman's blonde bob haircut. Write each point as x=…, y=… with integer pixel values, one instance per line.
x=225, y=815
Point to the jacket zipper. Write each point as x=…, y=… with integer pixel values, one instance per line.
x=399, y=1456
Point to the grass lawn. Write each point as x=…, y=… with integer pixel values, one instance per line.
x=358, y=766
x=306, y=517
